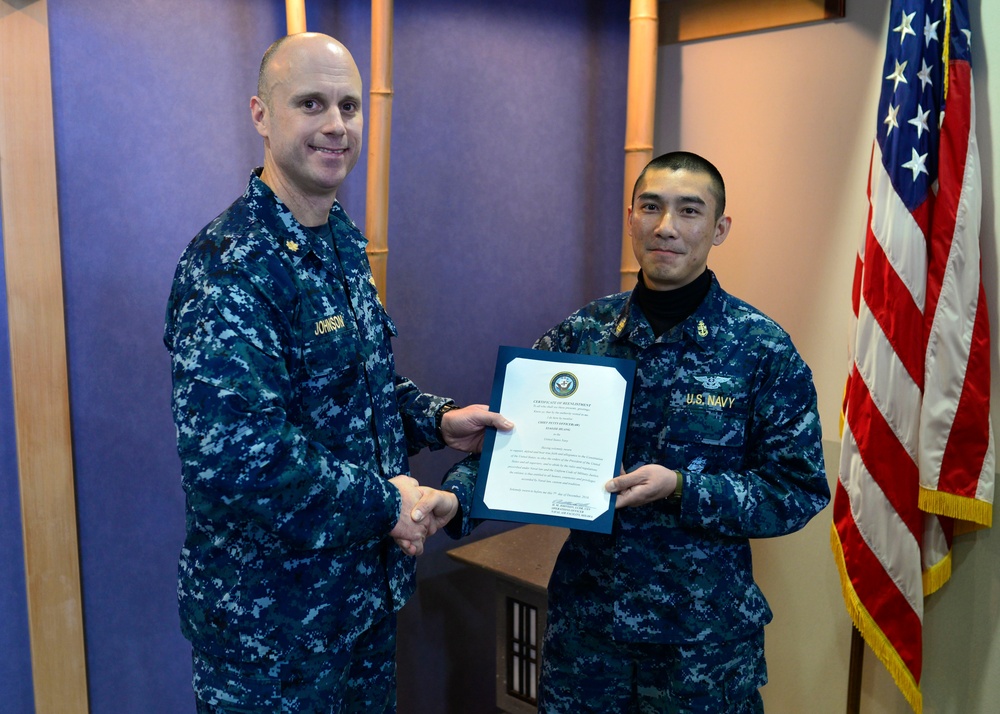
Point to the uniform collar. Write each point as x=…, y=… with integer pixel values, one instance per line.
x=631, y=325
x=295, y=240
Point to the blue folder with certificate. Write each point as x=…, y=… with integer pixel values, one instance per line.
x=569, y=412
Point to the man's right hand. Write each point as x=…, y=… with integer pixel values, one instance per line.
x=408, y=534
x=435, y=509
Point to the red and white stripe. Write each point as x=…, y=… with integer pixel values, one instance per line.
x=917, y=446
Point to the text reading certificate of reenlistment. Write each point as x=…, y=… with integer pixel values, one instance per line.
x=570, y=413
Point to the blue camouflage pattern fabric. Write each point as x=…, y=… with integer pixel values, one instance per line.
x=290, y=418
x=585, y=671
x=361, y=681
x=724, y=397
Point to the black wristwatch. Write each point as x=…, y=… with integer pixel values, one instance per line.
x=439, y=415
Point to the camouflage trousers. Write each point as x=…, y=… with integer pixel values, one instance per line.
x=357, y=680
x=585, y=670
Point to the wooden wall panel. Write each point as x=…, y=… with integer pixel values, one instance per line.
x=640, y=117
x=38, y=359
x=683, y=20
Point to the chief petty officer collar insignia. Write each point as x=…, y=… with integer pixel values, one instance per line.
x=702, y=329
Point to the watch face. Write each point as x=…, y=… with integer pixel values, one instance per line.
x=441, y=412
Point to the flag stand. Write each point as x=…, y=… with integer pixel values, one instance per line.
x=854, y=672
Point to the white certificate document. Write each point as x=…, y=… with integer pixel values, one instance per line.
x=570, y=413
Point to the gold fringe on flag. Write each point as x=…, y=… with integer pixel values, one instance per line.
x=972, y=513
x=946, y=49
x=872, y=633
x=937, y=575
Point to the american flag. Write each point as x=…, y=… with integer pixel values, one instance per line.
x=917, y=455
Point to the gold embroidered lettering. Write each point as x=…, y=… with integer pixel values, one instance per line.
x=712, y=400
x=329, y=324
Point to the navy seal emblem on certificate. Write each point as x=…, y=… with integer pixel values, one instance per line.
x=570, y=413
x=563, y=385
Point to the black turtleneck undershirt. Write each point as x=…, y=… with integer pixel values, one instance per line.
x=666, y=308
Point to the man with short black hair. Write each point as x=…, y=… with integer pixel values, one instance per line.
x=723, y=445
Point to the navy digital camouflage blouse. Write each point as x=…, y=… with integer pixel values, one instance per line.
x=290, y=419
x=725, y=398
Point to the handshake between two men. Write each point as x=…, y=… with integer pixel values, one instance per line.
x=426, y=510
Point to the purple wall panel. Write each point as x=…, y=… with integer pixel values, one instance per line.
x=153, y=139
x=505, y=193
x=508, y=123
x=506, y=177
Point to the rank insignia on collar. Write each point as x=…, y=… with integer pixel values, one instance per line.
x=292, y=245
x=702, y=330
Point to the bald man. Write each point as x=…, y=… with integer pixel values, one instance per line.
x=293, y=427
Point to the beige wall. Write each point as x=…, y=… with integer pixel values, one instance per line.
x=789, y=118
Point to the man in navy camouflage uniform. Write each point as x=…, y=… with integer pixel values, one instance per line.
x=293, y=427
x=723, y=445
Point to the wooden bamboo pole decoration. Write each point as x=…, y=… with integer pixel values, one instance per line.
x=639, y=116
x=38, y=360
x=379, y=126
x=295, y=16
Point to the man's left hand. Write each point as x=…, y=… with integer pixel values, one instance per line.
x=646, y=484
x=464, y=429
